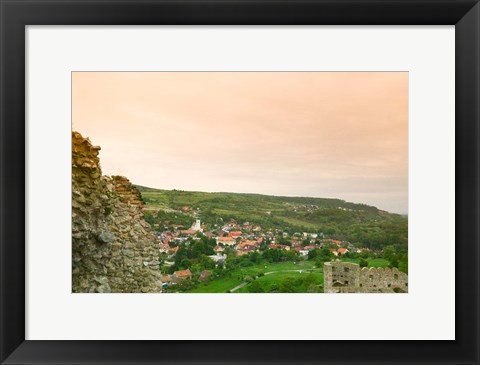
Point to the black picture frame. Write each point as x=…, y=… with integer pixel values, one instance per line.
x=16, y=14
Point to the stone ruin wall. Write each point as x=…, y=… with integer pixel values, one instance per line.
x=384, y=280
x=113, y=247
x=345, y=274
x=347, y=277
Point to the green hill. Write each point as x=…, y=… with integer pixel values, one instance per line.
x=334, y=218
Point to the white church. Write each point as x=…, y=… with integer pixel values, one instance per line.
x=196, y=226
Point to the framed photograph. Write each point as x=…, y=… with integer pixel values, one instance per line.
x=243, y=167
x=289, y=178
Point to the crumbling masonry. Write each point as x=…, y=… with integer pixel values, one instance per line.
x=113, y=247
x=347, y=277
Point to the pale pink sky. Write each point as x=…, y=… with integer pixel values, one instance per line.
x=321, y=134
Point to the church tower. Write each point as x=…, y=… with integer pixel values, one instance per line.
x=197, y=226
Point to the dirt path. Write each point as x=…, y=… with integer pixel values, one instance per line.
x=238, y=287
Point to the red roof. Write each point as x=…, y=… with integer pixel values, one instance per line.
x=276, y=245
x=342, y=250
x=189, y=231
x=225, y=239
x=235, y=233
x=166, y=279
x=182, y=273
x=247, y=245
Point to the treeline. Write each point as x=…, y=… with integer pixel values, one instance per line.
x=178, y=198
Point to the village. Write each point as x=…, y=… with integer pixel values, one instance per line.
x=241, y=239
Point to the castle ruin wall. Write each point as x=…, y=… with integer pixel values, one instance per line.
x=348, y=277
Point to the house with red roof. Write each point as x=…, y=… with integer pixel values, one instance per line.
x=189, y=232
x=249, y=246
x=173, y=249
x=296, y=243
x=166, y=279
x=342, y=251
x=336, y=242
x=279, y=246
x=181, y=275
x=230, y=241
x=335, y=252
x=235, y=234
x=218, y=249
x=163, y=248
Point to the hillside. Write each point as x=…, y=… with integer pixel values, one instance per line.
x=335, y=218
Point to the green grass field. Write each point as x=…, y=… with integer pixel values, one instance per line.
x=274, y=282
x=221, y=285
x=236, y=277
x=378, y=263
x=371, y=262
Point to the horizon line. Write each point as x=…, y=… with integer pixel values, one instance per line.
x=278, y=196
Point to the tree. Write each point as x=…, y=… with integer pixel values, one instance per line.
x=185, y=264
x=284, y=241
x=325, y=255
x=394, y=262
x=312, y=254
x=272, y=255
x=309, y=280
x=255, y=257
x=206, y=262
x=363, y=263
x=389, y=252
x=255, y=287
x=287, y=286
x=181, y=254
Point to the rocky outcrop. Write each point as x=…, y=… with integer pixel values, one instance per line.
x=113, y=247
